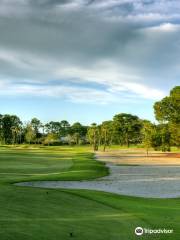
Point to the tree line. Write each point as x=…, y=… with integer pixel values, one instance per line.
x=123, y=129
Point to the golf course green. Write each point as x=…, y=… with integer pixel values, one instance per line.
x=61, y=214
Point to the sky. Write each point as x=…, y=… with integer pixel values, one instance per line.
x=87, y=60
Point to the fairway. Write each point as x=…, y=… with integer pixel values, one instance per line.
x=35, y=213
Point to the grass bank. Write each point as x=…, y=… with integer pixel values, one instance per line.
x=50, y=214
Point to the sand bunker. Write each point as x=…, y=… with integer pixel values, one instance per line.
x=143, y=181
x=138, y=157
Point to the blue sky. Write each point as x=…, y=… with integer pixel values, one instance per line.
x=87, y=60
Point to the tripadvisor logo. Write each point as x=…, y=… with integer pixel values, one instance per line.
x=140, y=231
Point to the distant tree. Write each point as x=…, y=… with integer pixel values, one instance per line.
x=74, y=138
x=65, y=128
x=166, y=137
x=42, y=126
x=106, y=132
x=123, y=129
x=161, y=137
x=50, y=138
x=127, y=127
x=36, y=125
x=8, y=125
x=54, y=127
x=78, y=132
x=93, y=135
x=147, y=135
x=16, y=131
x=30, y=134
x=174, y=129
x=47, y=128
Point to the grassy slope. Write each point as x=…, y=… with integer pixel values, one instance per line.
x=31, y=213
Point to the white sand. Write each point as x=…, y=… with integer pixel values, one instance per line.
x=142, y=181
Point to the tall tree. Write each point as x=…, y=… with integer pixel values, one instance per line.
x=16, y=131
x=93, y=135
x=36, y=124
x=78, y=132
x=65, y=128
x=128, y=128
x=160, y=137
x=55, y=127
x=106, y=133
x=8, y=124
x=147, y=135
x=168, y=111
x=30, y=134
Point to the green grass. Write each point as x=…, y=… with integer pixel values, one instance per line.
x=50, y=214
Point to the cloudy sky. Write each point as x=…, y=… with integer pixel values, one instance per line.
x=86, y=60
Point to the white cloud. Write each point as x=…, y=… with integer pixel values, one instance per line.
x=166, y=27
x=74, y=94
x=113, y=80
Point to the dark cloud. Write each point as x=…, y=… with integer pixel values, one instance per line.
x=48, y=3
x=81, y=40
x=122, y=9
x=148, y=2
